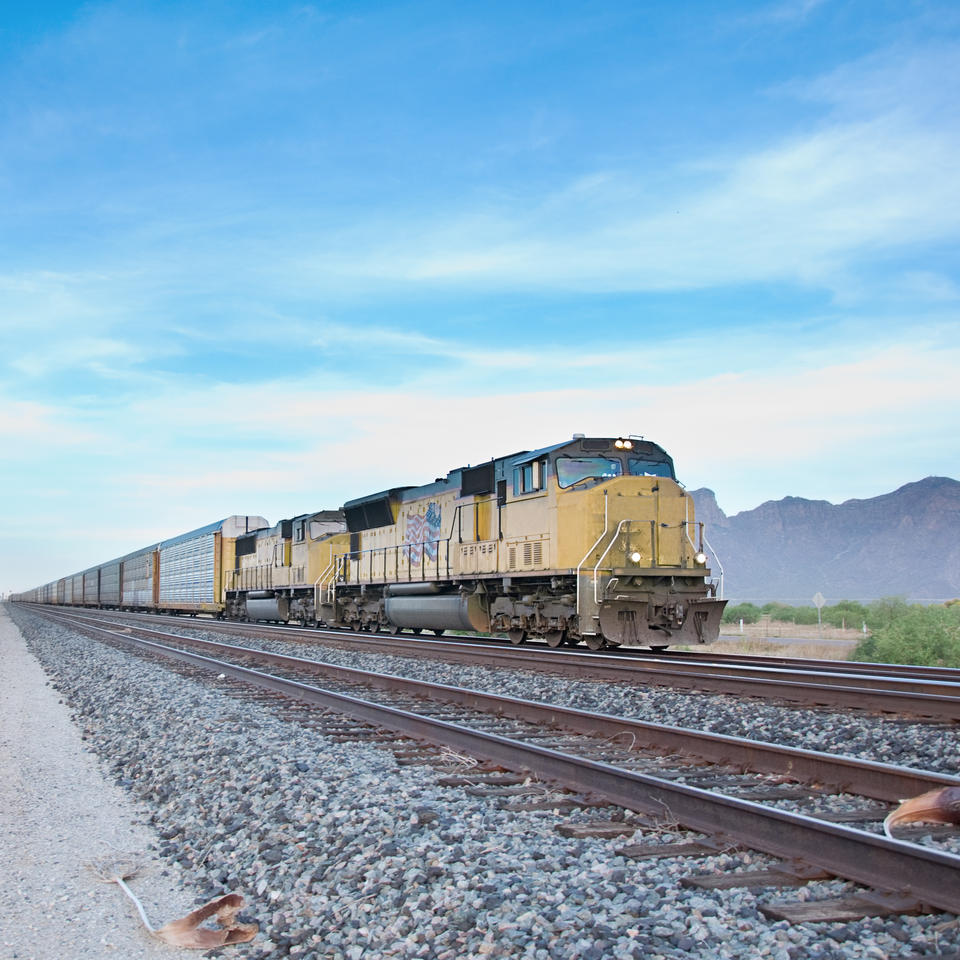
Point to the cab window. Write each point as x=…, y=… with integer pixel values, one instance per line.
x=571, y=470
x=529, y=477
x=639, y=467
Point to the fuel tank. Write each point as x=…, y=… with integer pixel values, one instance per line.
x=452, y=611
x=272, y=608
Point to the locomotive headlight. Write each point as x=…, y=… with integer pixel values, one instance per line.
x=627, y=444
x=700, y=559
x=622, y=444
x=636, y=556
x=618, y=444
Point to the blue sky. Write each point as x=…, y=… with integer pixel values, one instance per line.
x=264, y=257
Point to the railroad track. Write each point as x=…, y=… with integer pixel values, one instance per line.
x=923, y=693
x=725, y=787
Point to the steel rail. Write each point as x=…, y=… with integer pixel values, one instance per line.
x=931, y=877
x=879, y=781
x=933, y=699
x=898, y=671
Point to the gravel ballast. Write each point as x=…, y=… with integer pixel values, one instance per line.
x=342, y=853
x=926, y=746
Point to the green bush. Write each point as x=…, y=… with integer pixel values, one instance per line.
x=882, y=613
x=778, y=611
x=929, y=636
x=805, y=615
x=846, y=613
x=747, y=612
x=787, y=614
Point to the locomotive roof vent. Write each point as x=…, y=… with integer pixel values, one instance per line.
x=579, y=436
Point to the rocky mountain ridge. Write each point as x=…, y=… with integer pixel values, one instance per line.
x=904, y=543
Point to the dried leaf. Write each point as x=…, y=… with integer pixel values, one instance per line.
x=187, y=931
x=934, y=806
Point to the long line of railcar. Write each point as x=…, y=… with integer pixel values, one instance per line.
x=592, y=540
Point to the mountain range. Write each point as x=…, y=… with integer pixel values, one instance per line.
x=905, y=543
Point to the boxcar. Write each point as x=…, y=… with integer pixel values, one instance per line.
x=191, y=567
x=110, y=584
x=138, y=576
x=91, y=587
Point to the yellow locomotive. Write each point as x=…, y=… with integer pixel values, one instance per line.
x=590, y=540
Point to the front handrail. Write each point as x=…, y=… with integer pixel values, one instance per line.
x=606, y=527
x=596, y=569
x=715, y=557
x=329, y=570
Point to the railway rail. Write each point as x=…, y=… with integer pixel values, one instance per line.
x=925, y=693
x=617, y=759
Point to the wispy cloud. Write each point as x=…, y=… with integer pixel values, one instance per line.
x=28, y=428
x=877, y=176
x=102, y=356
x=810, y=402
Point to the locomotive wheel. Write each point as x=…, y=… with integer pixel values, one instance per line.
x=438, y=633
x=517, y=636
x=595, y=641
x=416, y=631
x=556, y=638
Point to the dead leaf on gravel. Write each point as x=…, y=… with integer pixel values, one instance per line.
x=185, y=932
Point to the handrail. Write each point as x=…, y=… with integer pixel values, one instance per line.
x=606, y=527
x=686, y=529
x=360, y=555
x=613, y=540
x=715, y=557
x=330, y=568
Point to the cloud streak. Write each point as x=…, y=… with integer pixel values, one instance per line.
x=877, y=177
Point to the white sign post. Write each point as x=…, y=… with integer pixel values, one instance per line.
x=818, y=601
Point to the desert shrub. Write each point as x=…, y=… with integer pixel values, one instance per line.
x=847, y=612
x=748, y=612
x=805, y=615
x=923, y=635
x=881, y=613
x=778, y=611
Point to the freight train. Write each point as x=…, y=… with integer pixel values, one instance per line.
x=590, y=541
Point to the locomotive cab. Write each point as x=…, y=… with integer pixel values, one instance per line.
x=623, y=526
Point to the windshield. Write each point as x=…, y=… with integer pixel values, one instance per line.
x=572, y=469
x=649, y=468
